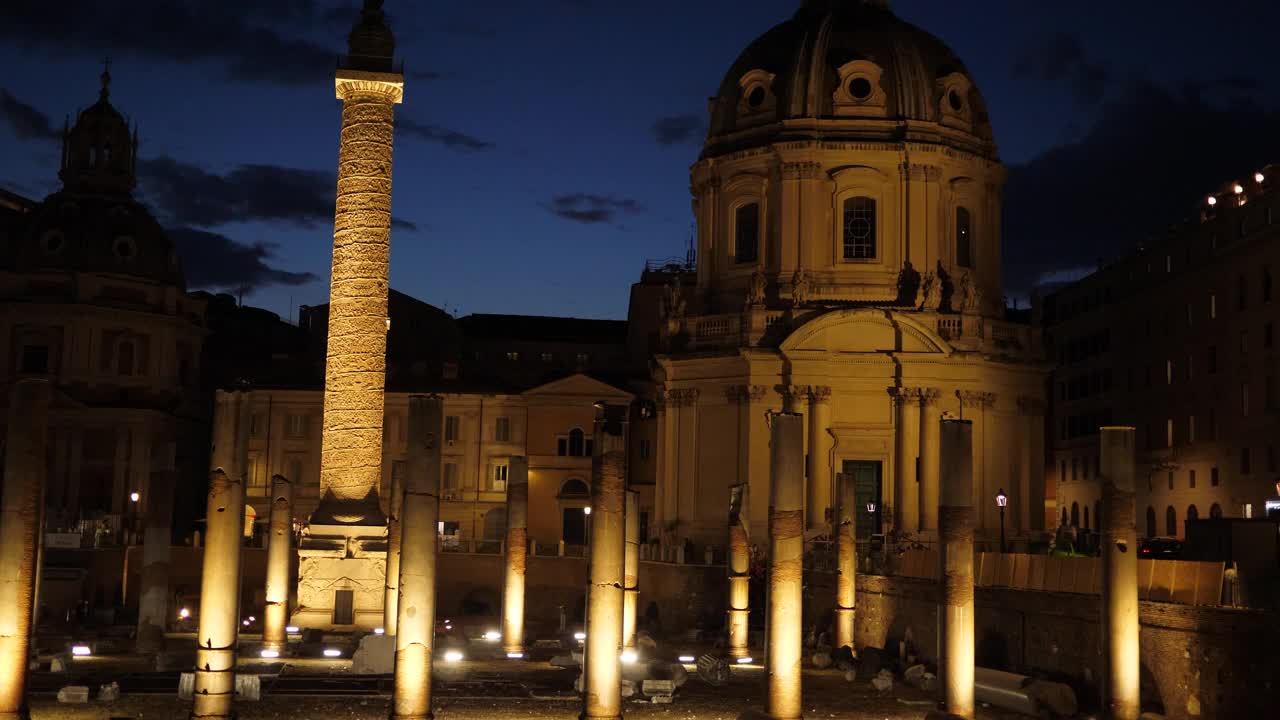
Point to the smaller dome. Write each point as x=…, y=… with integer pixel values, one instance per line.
x=98, y=152
x=371, y=44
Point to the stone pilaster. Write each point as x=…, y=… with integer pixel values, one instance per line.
x=974, y=405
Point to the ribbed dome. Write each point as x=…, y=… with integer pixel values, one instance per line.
x=838, y=59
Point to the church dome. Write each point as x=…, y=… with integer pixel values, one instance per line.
x=848, y=70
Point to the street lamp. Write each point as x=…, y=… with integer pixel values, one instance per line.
x=1002, y=500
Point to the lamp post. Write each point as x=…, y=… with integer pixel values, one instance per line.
x=1002, y=501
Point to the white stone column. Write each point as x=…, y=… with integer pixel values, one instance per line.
x=930, y=416
x=818, y=488
x=631, y=571
x=602, y=667
x=955, y=524
x=786, y=568
x=907, y=484
x=215, y=680
x=738, y=564
x=20, y=512
x=415, y=639
x=153, y=601
x=517, y=549
x=846, y=560
x=391, y=591
x=1120, y=677
x=280, y=554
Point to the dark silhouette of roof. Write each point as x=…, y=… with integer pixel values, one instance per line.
x=537, y=328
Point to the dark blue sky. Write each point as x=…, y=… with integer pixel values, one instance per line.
x=530, y=176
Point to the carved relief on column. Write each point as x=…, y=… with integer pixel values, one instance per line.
x=976, y=399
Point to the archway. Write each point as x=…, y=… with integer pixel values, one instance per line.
x=1215, y=511
x=1192, y=515
x=1075, y=515
x=1171, y=522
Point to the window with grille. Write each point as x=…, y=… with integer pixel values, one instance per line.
x=747, y=233
x=498, y=477
x=859, y=228
x=502, y=430
x=450, y=476
x=295, y=425
x=451, y=424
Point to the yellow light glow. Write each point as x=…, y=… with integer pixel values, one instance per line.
x=628, y=657
x=493, y=636
x=1237, y=188
x=1259, y=178
x=1213, y=200
x=184, y=613
x=579, y=636
x=586, y=510
x=745, y=661
x=687, y=659
x=453, y=656
x=379, y=631
x=515, y=655
x=134, y=496
x=291, y=628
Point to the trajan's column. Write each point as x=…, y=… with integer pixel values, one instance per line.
x=342, y=571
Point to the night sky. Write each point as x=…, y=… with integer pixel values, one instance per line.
x=543, y=147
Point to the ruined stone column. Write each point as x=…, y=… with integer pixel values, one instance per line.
x=279, y=557
x=907, y=485
x=1120, y=653
x=955, y=527
x=846, y=560
x=153, y=601
x=517, y=556
x=421, y=511
x=786, y=568
x=738, y=563
x=24, y=477
x=215, y=681
x=930, y=458
x=818, y=487
x=601, y=665
x=391, y=593
x=631, y=571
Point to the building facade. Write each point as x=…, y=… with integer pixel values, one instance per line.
x=1177, y=340
x=848, y=211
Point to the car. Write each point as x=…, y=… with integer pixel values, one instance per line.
x=1164, y=548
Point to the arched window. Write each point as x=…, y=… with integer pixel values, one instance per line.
x=1171, y=522
x=1086, y=517
x=1192, y=515
x=1075, y=514
x=576, y=442
x=574, y=488
x=746, y=234
x=1151, y=521
x=1215, y=511
x=964, y=237
x=124, y=357
x=859, y=228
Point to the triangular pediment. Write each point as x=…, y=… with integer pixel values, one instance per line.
x=865, y=330
x=580, y=385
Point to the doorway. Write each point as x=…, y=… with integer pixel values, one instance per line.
x=866, y=483
x=575, y=527
x=344, y=607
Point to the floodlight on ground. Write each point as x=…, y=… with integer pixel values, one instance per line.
x=744, y=660
x=453, y=656
x=291, y=628
x=687, y=659
x=332, y=652
x=628, y=657
x=81, y=650
x=493, y=636
x=269, y=653
x=579, y=636
x=379, y=631
x=515, y=655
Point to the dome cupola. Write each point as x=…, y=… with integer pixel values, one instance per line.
x=99, y=153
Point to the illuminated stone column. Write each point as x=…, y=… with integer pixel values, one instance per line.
x=930, y=457
x=1120, y=652
x=279, y=556
x=846, y=559
x=153, y=601
x=517, y=556
x=738, y=564
x=906, y=485
x=24, y=478
x=421, y=511
x=351, y=446
x=818, y=487
x=631, y=571
x=391, y=596
x=955, y=525
x=601, y=665
x=786, y=568
x=215, y=680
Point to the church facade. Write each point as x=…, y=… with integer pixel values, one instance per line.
x=848, y=212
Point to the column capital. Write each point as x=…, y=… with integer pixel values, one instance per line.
x=802, y=170
x=1028, y=405
x=819, y=393
x=977, y=399
x=745, y=393
x=681, y=397
x=929, y=396
x=349, y=83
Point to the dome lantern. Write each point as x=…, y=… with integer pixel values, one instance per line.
x=99, y=152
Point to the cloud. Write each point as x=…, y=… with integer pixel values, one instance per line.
x=677, y=129
x=243, y=36
x=592, y=209
x=26, y=121
x=444, y=136
x=1148, y=160
x=186, y=194
x=1060, y=58
x=214, y=261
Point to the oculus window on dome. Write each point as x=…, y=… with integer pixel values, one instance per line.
x=747, y=233
x=859, y=228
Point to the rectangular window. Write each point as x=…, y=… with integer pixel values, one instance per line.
x=295, y=425
x=513, y=356
x=1170, y=479
x=547, y=357
x=644, y=449
x=1191, y=367
x=1269, y=393
x=1266, y=275
x=859, y=229
x=257, y=474
x=1266, y=335
x=451, y=424
x=1168, y=432
x=1245, y=465
x=1213, y=359
x=1188, y=314
x=450, y=476
x=1213, y=476
x=498, y=477
x=1242, y=293
x=502, y=429
x=583, y=359
x=1213, y=425
x=747, y=233
x=1213, y=306
x=1244, y=341
x=293, y=463
x=1168, y=263
x=964, y=238
x=1191, y=479
x=1271, y=458
x=562, y=446
x=1244, y=399
x=1168, y=372
x=255, y=425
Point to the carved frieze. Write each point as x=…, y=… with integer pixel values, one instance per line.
x=802, y=170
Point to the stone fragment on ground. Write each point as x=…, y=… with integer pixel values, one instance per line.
x=109, y=692
x=821, y=660
x=870, y=661
x=74, y=694
x=376, y=655
x=850, y=675
x=713, y=670
x=565, y=661
x=658, y=687
x=913, y=675
x=843, y=658
x=883, y=681
x=60, y=663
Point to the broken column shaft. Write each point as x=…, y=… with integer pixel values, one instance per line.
x=415, y=638
x=279, y=556
x=631, y=571
x=738, y=565
x=601, y=667
x=391, y=594
x=215, y=680
x=955, y=529
x=153, y=601
x=517, y=547
x=846, y=560
x=786, y=565
x=1120, y=677
x=20, y=512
